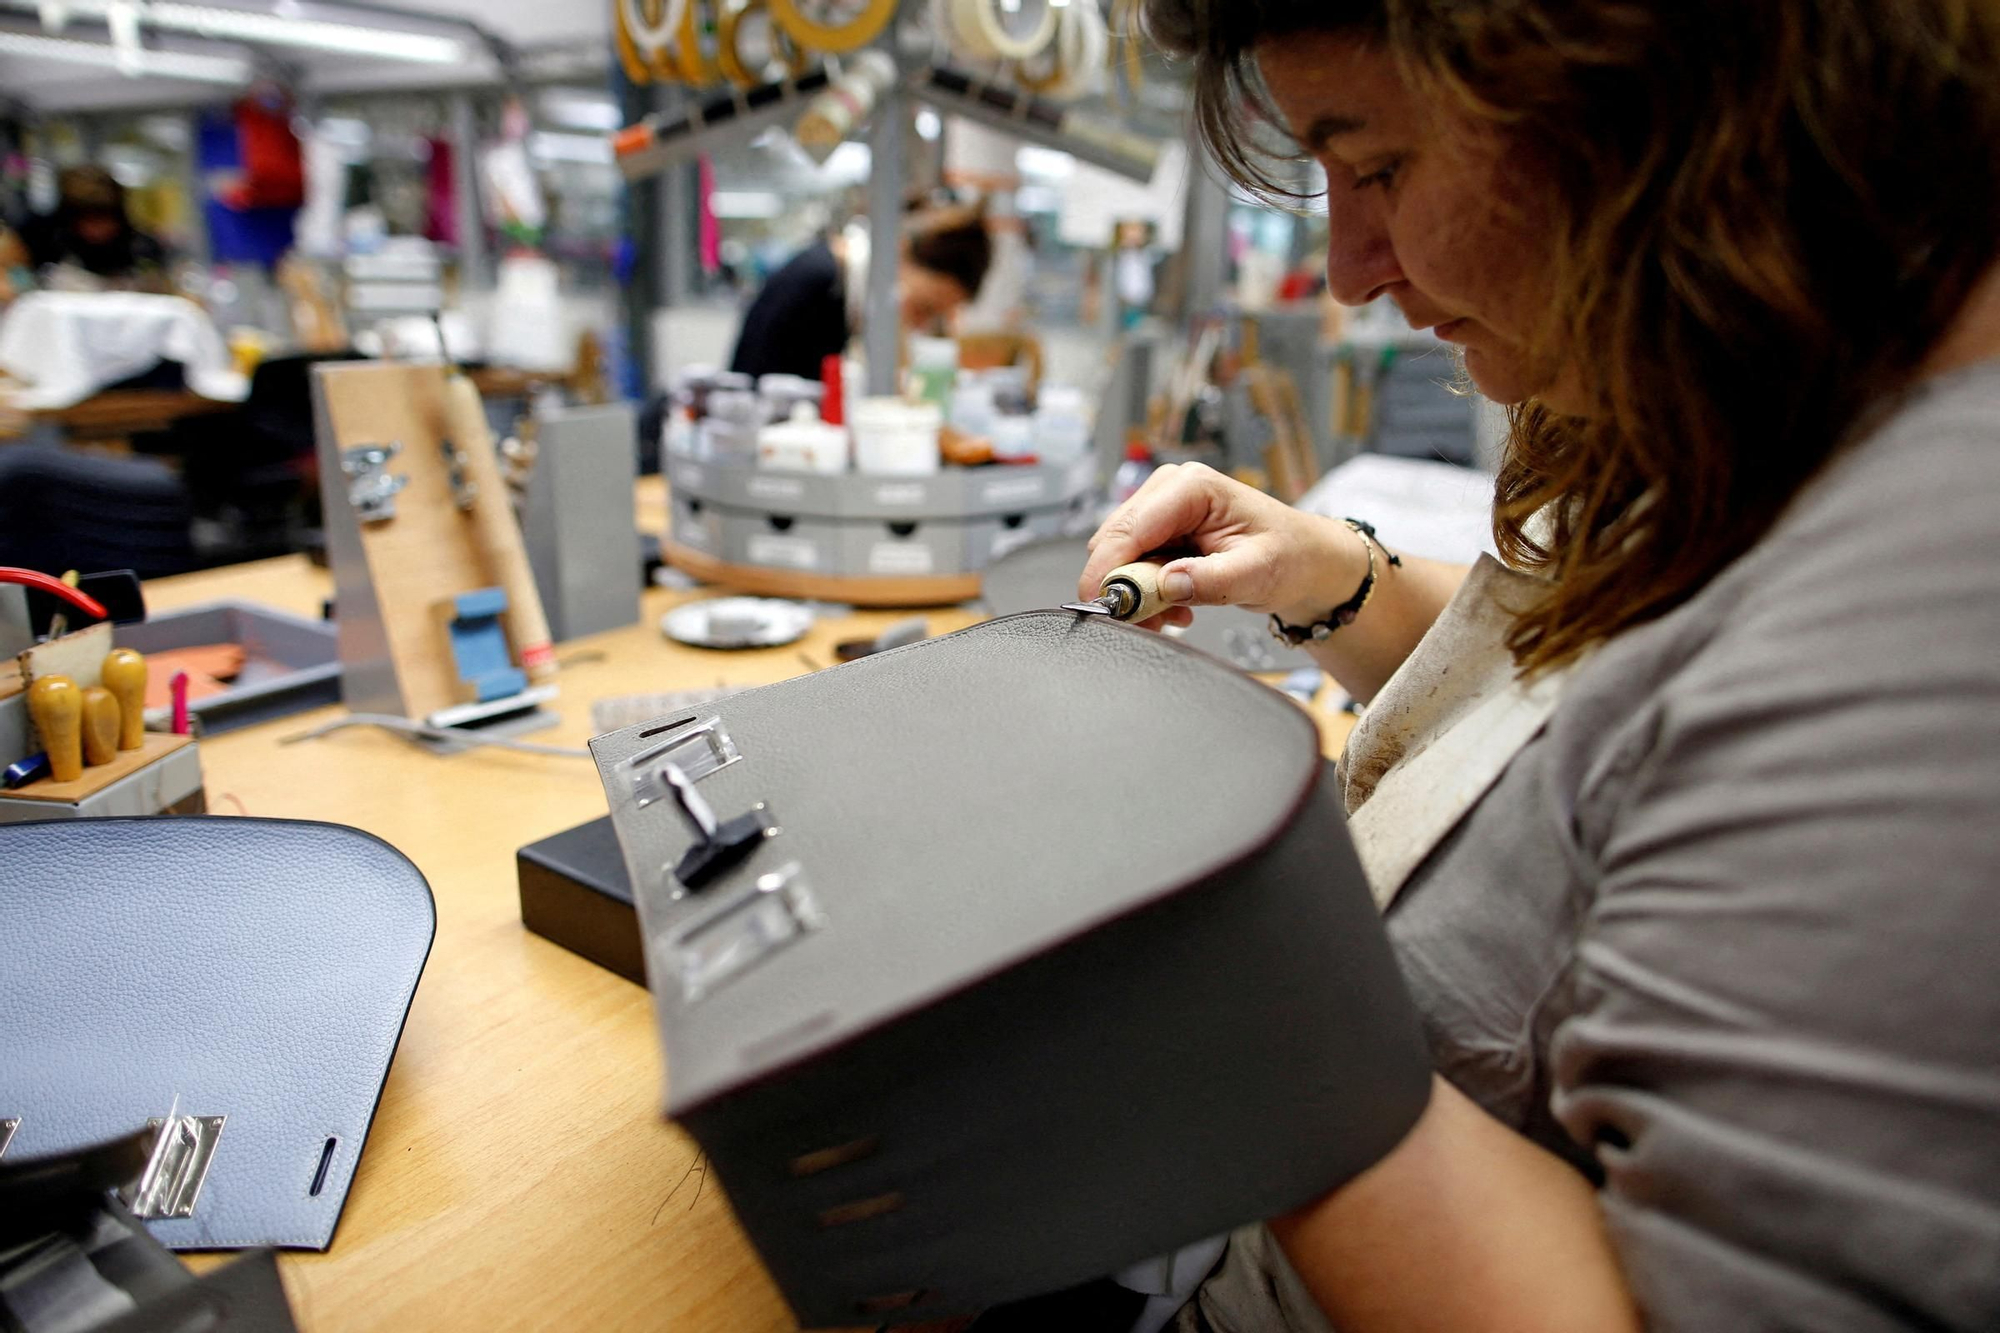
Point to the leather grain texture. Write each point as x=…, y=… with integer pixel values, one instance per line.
x=257, y=969
x=1098, y=975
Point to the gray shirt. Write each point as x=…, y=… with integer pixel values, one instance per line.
x=1725, y=934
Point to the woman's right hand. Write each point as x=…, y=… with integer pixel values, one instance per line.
x=1253, y=551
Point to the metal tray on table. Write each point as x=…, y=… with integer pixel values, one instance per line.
x=290, y=663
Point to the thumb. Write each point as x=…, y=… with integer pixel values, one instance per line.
x=1240, y=576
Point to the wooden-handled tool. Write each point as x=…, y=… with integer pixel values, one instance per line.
x=1129, y=592
x=56, y=704
x=102, y=721
x=124, y=674
x=501, y=549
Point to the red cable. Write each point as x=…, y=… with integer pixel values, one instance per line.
x=30, y=578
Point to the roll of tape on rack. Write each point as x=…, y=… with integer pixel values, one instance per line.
x=835, y=36
x=982, y=29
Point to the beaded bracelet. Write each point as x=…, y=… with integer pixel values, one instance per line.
x=1345, y=613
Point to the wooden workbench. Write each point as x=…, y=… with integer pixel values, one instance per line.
x=116, y=414
x=518, y=1175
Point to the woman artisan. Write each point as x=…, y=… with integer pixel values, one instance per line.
x=809, y=308
x=1684, y=819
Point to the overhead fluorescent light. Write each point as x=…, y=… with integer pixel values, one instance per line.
x=243, y=25
x=745, y=204
x=1045, y=164
x=189, y=65
x=553, y=147
x=313, y=34
x=580, y=111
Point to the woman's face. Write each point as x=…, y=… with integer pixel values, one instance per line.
x=1438, y=215
x=927, y=296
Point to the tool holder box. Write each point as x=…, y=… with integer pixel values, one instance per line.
x=870, y=539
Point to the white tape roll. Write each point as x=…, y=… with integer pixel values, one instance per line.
x=983, y=29
x=652, y=37
x=1072, y=66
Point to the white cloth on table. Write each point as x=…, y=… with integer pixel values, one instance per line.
x=68, y=345
x=1419, y=507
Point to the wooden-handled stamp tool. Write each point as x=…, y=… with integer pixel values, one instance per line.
x=56, y=705
x=103, y=721
x=1129, y=592
x=124, y=674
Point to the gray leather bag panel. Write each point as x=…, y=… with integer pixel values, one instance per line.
x=1096, y=975
x=252, y=968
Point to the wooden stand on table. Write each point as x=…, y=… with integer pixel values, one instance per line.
x=391, y=574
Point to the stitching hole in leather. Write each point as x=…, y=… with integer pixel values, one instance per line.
x=1012, y=520
x=902, y=529
x=325, y=1161
x=861, y=1209
x=825, y=1159
x=779, y=522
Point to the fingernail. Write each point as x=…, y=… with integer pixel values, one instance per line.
x=1177, y=585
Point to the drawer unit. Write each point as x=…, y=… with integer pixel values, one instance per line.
x=904, y=548
x=987, y=539
x=696, y=523
x=782, y=541
x=874, y=527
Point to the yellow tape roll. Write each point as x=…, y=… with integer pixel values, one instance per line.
x=833, y=38
x=695, y=69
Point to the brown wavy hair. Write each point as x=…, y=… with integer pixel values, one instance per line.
x=1768, y=212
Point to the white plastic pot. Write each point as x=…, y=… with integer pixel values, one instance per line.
x=803, y=444
x=894, y=438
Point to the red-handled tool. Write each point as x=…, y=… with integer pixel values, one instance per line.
x=29, y=578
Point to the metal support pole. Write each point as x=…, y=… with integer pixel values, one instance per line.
x=881, y=318
x=1205, y=240
x=199, y=250
x=641, y=294
x=474, y=266
x=678, y=186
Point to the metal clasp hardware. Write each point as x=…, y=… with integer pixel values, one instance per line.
x=718, y=844
x=7, y=1128
x=464, y=490
x=697, y=751
x=736, y=936
x=172, y=1180
x=371, y=489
